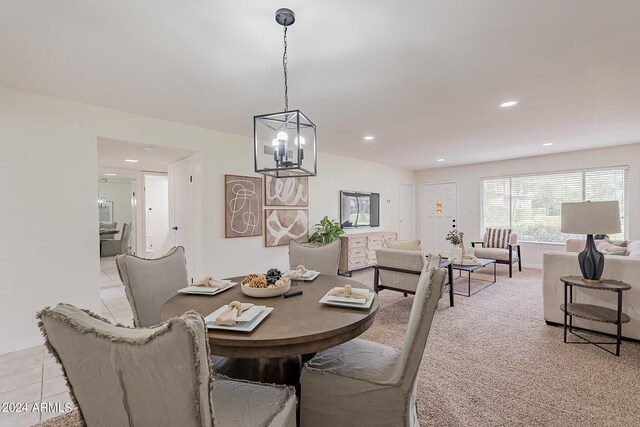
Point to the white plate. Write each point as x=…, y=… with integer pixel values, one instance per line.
x=264, y=292
x=206, y=290
x=328, y=301
x=244, y=326
x=306, y=277
x=245, y=316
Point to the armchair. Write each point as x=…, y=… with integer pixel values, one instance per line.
x=499, y=245
x=116, y=247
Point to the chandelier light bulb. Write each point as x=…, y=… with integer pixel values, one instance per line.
x=282, y=136
x=275, y=142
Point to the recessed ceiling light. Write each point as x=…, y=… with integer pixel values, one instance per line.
x=110, y=174
x=547, y=144
x=508, y=104
x=131, y=160
x=440, y=160
x=150, y=148
x=368, y=138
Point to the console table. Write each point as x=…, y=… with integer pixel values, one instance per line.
x=359, y=250
x=593, y=312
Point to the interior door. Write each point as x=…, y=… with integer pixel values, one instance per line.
x=406, y=212
x=438, y=213
x=181, y=210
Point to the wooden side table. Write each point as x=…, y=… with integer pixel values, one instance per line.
x=593, y=312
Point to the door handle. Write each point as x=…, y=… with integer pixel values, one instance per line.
x=174, y=228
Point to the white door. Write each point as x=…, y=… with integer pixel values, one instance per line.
x=407, y=212
x=438, y=213
x=181, y=209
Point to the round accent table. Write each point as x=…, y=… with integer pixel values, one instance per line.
x=593, y=312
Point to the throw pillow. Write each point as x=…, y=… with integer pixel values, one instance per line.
x=411, y=245
x=497, y=238
x=609, y=248
x=633, y=248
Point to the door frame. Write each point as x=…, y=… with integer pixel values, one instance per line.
x=412, y=210
x=424, y=184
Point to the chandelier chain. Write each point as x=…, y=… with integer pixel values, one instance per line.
x=286, y=75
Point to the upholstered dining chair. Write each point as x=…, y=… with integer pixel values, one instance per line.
x=323, y=258
x=362, y=383
x=159, y=376
x=149, y=283
x=117, y=246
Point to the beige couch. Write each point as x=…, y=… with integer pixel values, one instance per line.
x=616, y=267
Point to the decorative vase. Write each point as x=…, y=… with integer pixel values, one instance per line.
x=456, y=253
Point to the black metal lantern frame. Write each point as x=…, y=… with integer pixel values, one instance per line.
x=285, y=143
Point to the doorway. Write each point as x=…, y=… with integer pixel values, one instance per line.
x=156, y=215
x=438, y=216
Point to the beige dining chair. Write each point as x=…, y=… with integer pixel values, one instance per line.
x=149, y=283
x=117, y=246
x=159, y=376
x=362, y=383
x=323, y=258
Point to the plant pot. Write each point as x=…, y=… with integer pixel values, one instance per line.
x=456, y=253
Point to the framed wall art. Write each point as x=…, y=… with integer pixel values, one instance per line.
x=242, y=206
x=286, y=191
x=283, y=225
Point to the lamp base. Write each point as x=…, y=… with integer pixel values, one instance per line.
x=591, y=262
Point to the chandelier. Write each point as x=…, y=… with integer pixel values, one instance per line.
x=285, y=143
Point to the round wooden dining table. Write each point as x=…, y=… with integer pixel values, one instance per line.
x=297, y=326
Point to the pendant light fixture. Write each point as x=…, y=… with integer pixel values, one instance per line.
x=285, y=143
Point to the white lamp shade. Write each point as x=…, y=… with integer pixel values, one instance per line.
x=591, y=218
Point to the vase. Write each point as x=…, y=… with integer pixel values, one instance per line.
x=456, y=253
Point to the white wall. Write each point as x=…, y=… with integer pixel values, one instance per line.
x=468, y=179
x=50, y=140
x=120, y=194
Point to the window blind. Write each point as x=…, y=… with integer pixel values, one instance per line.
x=531, y=204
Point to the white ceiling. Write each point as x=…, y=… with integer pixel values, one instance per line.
x=424, y=76
x=113, y=152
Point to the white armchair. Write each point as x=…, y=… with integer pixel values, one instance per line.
x=495, y=245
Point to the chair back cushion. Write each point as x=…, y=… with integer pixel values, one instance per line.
x=497, y=238
x=120, y=376
x=424, y=306
x=411, y=245
x=149, y=283
x=124, y=239
x=400, y=259
x=323, y=258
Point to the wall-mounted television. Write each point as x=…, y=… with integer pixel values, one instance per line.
x=358, y=209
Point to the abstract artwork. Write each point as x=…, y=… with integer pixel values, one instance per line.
x=286, y=191
x=242, y=206
x=283, y=225
x=105, y=213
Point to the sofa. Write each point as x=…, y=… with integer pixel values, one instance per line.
x=625, y=268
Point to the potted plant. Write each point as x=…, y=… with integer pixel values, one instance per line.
x=326, y=231
x=453, y=237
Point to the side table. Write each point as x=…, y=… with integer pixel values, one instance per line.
x=593, y=312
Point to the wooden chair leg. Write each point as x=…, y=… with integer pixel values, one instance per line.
x=405, y=294
x=519, y=259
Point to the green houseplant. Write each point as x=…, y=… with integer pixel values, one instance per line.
x=326, y=231
x=453, y=237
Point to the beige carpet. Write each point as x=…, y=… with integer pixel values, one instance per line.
x=491, y=360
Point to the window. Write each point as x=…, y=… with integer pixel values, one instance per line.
x=530, y=204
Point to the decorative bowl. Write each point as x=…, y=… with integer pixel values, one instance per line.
x=264, y=292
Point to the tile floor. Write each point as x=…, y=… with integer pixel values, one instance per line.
x=31, y=376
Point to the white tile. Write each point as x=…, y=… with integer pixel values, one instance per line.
x=19, y=361
x=28, y=394
x=51, y=370
x=20, y=379
x=19, y=419
x=54, y=386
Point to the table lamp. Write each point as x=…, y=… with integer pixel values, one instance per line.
x=591, y=218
